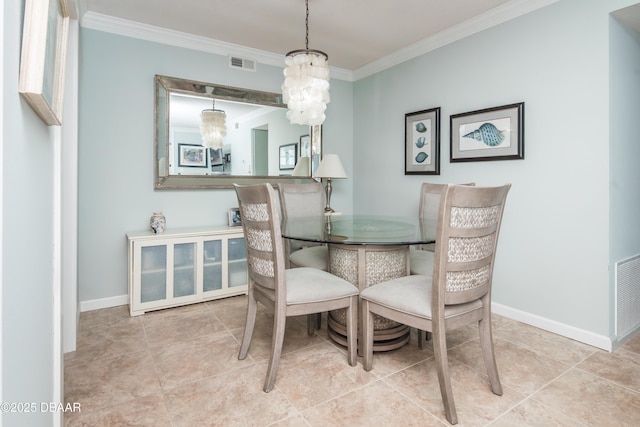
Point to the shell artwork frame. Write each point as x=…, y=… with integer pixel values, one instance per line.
x=422, y=142
x=491, y=134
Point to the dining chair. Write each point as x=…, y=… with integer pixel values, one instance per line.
x=421, y=257
x=290, y=292
x=298, y=200
x=457, y=293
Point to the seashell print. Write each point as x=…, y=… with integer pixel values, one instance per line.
x=421, y=157
x=487, y=133
x=420, y=127
x=420, y=142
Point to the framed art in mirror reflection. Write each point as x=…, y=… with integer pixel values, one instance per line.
x=192, y=156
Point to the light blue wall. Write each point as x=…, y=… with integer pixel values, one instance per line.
x=116, y=105
x=27, y=241
x=624, y=197
x=553, y=258
x=625, y=143
x=560, y=235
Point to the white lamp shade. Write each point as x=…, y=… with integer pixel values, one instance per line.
x=330, y=167
x=302, y=168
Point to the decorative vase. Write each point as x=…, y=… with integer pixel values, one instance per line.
x=158, y=222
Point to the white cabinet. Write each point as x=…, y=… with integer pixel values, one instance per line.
x=185, y=266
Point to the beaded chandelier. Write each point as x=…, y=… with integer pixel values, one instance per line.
x=305, y=89
x=213, y=127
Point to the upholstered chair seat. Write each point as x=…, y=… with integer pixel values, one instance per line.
x=312, y=256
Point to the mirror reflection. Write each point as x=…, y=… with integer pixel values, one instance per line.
x=258, y=143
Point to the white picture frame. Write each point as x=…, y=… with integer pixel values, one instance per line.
x=43, y=58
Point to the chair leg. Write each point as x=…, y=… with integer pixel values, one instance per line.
x=442, y=365
x=314, y=322
x=311, y=324
x=367, y=336
x=486, y=342
x=252, y=307
x=352, y=331
x=279, y=323
x=423, y=337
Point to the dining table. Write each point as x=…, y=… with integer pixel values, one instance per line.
x=365, y=250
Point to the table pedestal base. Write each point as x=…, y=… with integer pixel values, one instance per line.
x=367, y=265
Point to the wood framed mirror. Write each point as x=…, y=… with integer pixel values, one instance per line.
x=256, y=128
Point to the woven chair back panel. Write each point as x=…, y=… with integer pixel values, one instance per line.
x=259, y=242
x=255, y=212
x=474, y=217
x=471, y=256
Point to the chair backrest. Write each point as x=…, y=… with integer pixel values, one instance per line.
x=262, y=235
x=300, y=200
x=430, y=199
x=468, y=227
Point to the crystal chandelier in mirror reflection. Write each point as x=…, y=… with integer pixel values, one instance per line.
x=305, y=89
x=213, y=127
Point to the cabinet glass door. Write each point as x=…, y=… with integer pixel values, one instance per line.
x=237, y=262
x=184, y=269
x=212, y=262
x=153, y=276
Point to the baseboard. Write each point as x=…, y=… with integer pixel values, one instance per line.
x=586, y=337
x=97, y=304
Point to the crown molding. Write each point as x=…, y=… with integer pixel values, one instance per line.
x=491, y=18
x=507, y=11
x=123, y=27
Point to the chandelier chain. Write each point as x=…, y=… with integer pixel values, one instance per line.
x=306, y=24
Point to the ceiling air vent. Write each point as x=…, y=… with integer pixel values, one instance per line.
x=242, y=63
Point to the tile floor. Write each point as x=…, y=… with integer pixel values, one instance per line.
x=179, y=367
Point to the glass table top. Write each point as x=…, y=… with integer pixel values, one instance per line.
x=360, y=229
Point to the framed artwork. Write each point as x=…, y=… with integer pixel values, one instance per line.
x=192, y=156
x=217, y=158
x=43, y=57
x=305, y=145
x=422, y=142
x=234, y=217
x=288, y=156
x=491, y=134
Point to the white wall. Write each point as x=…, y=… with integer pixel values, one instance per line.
x=116, y=107
x=553, y=256
x=27, y=241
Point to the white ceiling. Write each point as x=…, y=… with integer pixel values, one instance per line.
x=353, y=33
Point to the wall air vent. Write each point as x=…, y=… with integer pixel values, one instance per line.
x=627, y=296
x=242, y=63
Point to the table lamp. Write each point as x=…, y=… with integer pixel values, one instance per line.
x=303, y=168
x=330, y=167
